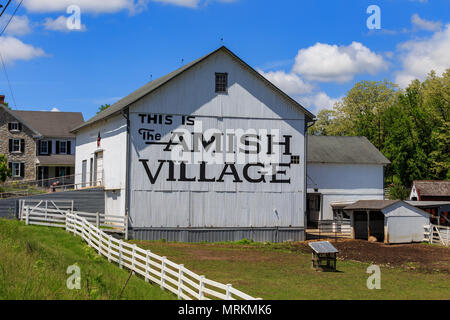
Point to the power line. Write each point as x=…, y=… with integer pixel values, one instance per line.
x=1, y=56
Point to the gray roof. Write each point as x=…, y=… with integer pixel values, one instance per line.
x=51, y=124
x=371, y=204
x=153, y=85
x=439, y=188
x=57, y=159
x=343, y=150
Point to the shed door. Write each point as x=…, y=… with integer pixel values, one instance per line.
x=360, y=224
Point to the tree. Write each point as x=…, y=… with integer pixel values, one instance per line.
x=5, y=172
x=103, y=107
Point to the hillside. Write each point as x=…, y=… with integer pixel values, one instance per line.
x=34, y=260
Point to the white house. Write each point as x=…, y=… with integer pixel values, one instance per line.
x=340, y=171
x=212, y=151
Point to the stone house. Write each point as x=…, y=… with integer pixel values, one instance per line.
x=38, y=144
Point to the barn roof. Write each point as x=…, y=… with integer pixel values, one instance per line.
x=432, y=187
x=343, y=150
x=153, y=85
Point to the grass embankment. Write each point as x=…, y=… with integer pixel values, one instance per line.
x=283, y=271
x=34, y=261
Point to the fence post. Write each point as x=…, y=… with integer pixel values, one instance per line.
x=99, y=243
x=147, y=265
x=228, y=294
x=133, y=259
x=163, y=272
x=431, y=233
x=200, y=290
x=27, y=217
x=97, y=222
x=180, y=280
x=109, y=249
x=126, y=226
x=120, y=254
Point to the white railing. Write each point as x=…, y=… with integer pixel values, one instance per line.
x=437, y=234
x=56, y=217
x=168, y=275
x=339, y=227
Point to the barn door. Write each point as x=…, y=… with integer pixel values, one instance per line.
x=98, y=168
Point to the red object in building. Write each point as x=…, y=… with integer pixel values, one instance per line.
x=98, y=140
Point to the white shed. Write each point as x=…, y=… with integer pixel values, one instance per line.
x=390, y=221
x=210, y=152
x=341, y=171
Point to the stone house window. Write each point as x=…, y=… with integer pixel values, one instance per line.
x=17, y=169
x=16, y=145
x=14, y=127
x=63, y=147
x=44, y=147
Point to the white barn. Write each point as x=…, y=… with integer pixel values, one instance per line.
x=341, y=171
x=210, y=152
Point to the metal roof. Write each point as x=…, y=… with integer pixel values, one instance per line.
x=343, y=150
x=371, y=204
x=153, y=85
x=323, y=247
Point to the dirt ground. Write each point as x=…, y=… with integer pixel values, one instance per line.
x=413, y=255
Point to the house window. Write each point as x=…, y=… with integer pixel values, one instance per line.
x=63, y=147
x=44, y=147
x=295, y=159
x=221, y=82
x=14, y=127
x=17, y=169
x=16, y=145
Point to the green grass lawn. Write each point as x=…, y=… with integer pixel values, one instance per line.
x=277, y=272
x=34, y=260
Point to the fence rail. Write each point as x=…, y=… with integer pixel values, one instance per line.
x=437, y=234
x=168, y=275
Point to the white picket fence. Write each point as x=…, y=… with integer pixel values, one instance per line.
x=437, y=234
x=168, y=275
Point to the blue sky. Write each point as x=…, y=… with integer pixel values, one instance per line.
x=314, y=50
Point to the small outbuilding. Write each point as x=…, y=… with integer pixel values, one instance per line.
x=430, y=190
x=389, y=221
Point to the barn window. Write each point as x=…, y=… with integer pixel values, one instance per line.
x=295, y=159
x=221, y=82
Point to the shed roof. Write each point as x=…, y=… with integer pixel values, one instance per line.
x=51, y=124
x=343, y=150
x=371, y=204
x=432, y=187
x=153, y=85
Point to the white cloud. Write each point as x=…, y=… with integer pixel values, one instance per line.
x=13, y=49
x=290, y=83
x=319, y=101
x=423, y=24
x=419, y=57
x=60, y=24
x=183, y=3
x=94, y=6
x=332, y=63
x=19, y=25
x=55, y=110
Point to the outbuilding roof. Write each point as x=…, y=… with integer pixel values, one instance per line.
x=51, y=124
x=371, y=204
x=343, y=150
x=432, y=187
x=153, y=85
